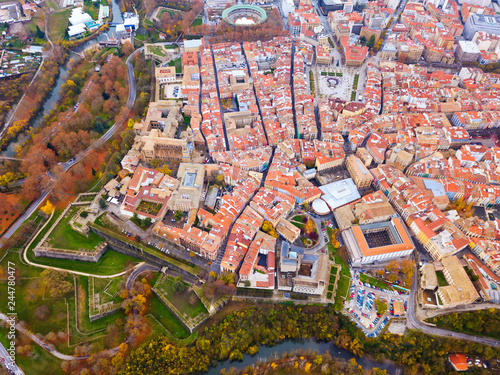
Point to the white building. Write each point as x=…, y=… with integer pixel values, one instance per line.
x=76, y=30
x=78, y=17
x=131, y=20
x=287, y=7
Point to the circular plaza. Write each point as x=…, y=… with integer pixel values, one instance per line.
x=244, y=15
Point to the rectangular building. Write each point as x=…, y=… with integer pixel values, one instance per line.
x=377, y=242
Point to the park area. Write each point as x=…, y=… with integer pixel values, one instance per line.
x=183, y=298
x=333, y=83
x=64, y=237
x=149, y=208
x=397, y=273
x=339, y=256
x=308, y=230
x=334, y=273
x=104, y=294
x=58, y=24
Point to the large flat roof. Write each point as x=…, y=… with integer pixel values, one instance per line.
x=395, y=226
x=340, y=193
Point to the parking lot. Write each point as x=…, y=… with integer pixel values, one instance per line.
x=361, y=306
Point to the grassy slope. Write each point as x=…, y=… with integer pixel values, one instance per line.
x=58, y=24
x=181, y=301
x=64, y=237
x=41, y=362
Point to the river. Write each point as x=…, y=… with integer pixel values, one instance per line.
x=266, y=352
x=53, y=98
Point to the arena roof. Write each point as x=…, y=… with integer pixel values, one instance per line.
x=243, y=8
x=340, y=193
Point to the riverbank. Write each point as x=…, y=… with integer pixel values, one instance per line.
x=52, y=96
x=290, y=348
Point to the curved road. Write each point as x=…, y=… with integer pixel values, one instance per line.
x=414, y=323
x=25, y=258
x=44, y=345
x=67, y=165
x=44, y=55
x=140, y=269
x=41, y=343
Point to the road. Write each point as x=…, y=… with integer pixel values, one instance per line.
x=41, y=343
x=44, y=56
x=116, y=125
x=29, y=211
x=6, y=361
x=47, y=347
x=414, y=323
x=142, y=268
x=70, y=163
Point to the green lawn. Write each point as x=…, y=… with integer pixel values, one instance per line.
x=109, y=264
x=181, y=301
x=157, y=50
x=342, y=288
x=40, y=361
x=91, y=9
x=108, y=289
x=64, y=237
x=441, y=279
x=86, y=198
x=22, y=270
x=52, y=4
x=375, y=282
x=177, y=63
x=197, y=22
x=117, y=234
x=29, y=296
x=86, y=329
x=344, y=276
x=58, y=24
x=299, y=218
x=169, y=321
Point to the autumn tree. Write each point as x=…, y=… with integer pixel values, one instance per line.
x=393, y=266
x=47, y=208
x=127, y=48
x=392, y=277
x=407, y=265
x=56, y=282
x=381, y=307
x=178, y=285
